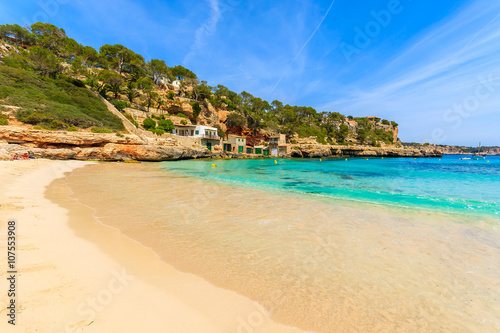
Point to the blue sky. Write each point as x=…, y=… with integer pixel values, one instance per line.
x=431, y=66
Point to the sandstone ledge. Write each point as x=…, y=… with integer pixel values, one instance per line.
x=111, y=147
x=42, y=138
x=61, y=145
x=361, y=151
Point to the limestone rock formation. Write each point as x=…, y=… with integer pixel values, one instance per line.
x=84, y=146
x=318, y=150
x=14, y=134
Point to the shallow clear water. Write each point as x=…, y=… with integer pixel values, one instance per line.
x=284, y=235
x=447, y=184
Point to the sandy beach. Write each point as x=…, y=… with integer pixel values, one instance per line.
x=318, y=264
x=91, y=278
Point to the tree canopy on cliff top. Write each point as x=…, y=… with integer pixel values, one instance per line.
x=50, y=48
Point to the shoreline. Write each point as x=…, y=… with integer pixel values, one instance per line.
x=397, y=207
x=235, y=250
x=62, y=145
x=77, y=274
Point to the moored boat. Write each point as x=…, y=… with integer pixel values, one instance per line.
x=478, y=155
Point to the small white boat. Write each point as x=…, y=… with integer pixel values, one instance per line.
x=465, y=158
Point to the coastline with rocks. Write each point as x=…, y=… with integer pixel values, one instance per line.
x=62, y=145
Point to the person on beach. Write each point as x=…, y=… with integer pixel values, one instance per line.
x=26, y=156
x=15, y=157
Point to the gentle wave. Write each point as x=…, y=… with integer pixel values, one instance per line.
x=445, y=185
x=311, y=261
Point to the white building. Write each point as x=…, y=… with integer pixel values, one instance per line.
x=184, y=130
x=166, y=81
x=208, y=135
x=206, y=132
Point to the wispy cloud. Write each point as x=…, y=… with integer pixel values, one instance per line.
x=436, y=70
x=205, y=30
x=304, y=46
x=420, y=65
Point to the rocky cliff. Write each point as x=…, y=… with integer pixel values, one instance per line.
x=315, y=150
x=94, y=146
x=455, y=150
x=113, y=147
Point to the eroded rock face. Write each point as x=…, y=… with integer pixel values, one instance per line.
x=84, y=146
x=312, y=151
x=211, y=116
x=110, y=152
x=184, y=108
x=464, y=150
x=5, y=155
x=54, y=154
x=141, y=153
x=5, y=49
x=13, y=134
x=316, y=151
x=7, y=152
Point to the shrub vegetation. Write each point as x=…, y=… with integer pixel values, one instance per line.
x=49, y=102
x=149, y=124
x=34, y=80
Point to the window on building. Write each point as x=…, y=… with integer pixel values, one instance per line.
x=197, y=132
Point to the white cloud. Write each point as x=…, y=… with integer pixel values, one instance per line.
x=205, y=30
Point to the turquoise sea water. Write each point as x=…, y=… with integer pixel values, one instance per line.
x=321, y=245
x=447, y=185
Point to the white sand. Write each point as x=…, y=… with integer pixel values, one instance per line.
x=68, y=284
